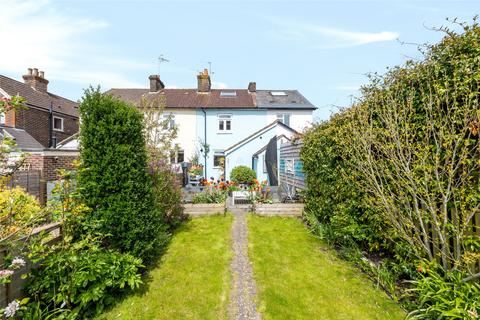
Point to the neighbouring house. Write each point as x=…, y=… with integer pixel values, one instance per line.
x=47, y=120
x=235, y=125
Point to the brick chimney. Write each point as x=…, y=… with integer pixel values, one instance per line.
x=36, y=79
x=252, y=87
x=204, y=83
x=155, y=83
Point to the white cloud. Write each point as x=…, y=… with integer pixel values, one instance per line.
x=38, y=34
x=219, y=85
x=327, y=37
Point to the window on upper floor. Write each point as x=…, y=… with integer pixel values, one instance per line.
x=169, y=121
x=57, y=123
x=284, y=118
x=224, y=123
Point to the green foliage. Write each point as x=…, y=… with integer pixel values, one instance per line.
x=397, y=174
x=210, y=195
x=243, y=175
x=113, y=180
x=168, y=195
x=445, y=297
x=82, y=279
x=334, y=198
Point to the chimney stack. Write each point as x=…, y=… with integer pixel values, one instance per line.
x=252, y=87
x=204, y=83
x=155, y=83
x=36, y=79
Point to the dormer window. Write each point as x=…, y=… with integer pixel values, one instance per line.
x=224, y=123
x=278, y=93
x=57, y=123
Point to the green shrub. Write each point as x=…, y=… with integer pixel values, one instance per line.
x=210, y=195
x=168, y=195
x=334, y=197
x=445, y=297
x=113, y=178
x=242, y=175
x=81, y=280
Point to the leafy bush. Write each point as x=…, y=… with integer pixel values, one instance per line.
x=242, y=175
x=82, y=279
x=168, y=195
x=445, y=297
x=398, y=173
x=113, y=178
x=210, y=195
x=334, y=196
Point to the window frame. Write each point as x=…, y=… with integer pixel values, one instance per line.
x=223, y=118
x=218, y=153
x=282, y=116
x=174, y=156
x=290, y=166
x=62, y=120
x=171, y=123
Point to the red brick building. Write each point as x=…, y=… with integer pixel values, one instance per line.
x=48, y=118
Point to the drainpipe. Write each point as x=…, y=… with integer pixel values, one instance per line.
x=50, y=125
x=205, y=140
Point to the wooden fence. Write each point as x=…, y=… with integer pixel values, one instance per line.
x=28, y=180
x=13, y=290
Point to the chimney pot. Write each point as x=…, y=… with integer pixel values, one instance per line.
x=36, y=79
x=252, y=87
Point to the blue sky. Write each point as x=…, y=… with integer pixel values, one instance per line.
x=322, y=48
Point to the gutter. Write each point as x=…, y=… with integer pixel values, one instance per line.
x=205, y=140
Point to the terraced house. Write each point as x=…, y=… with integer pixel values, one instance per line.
x=236, y=125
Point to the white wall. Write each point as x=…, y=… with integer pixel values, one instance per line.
x=299, y=119
x=186, y=121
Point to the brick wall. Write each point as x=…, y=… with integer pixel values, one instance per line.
x=48, y=163
x=51, y=165
x=35, y=122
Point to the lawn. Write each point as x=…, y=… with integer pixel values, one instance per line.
x=298, y=277
x=192, y=281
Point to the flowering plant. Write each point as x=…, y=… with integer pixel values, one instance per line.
x=196, y=170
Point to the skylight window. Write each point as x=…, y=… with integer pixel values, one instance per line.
x=228, y=94
x=278, y=93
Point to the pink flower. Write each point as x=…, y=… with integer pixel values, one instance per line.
x=5, y=273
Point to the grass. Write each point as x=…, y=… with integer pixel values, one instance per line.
x=192, y=281
x=298, y=277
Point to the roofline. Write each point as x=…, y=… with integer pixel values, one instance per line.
x=66, y=140
x=253, y=135
x=49, y=93
x=47, y=110
x=255, y=155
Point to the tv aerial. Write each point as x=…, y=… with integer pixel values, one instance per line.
x=161, y=59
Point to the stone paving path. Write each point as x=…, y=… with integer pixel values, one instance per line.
x=243, y=293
